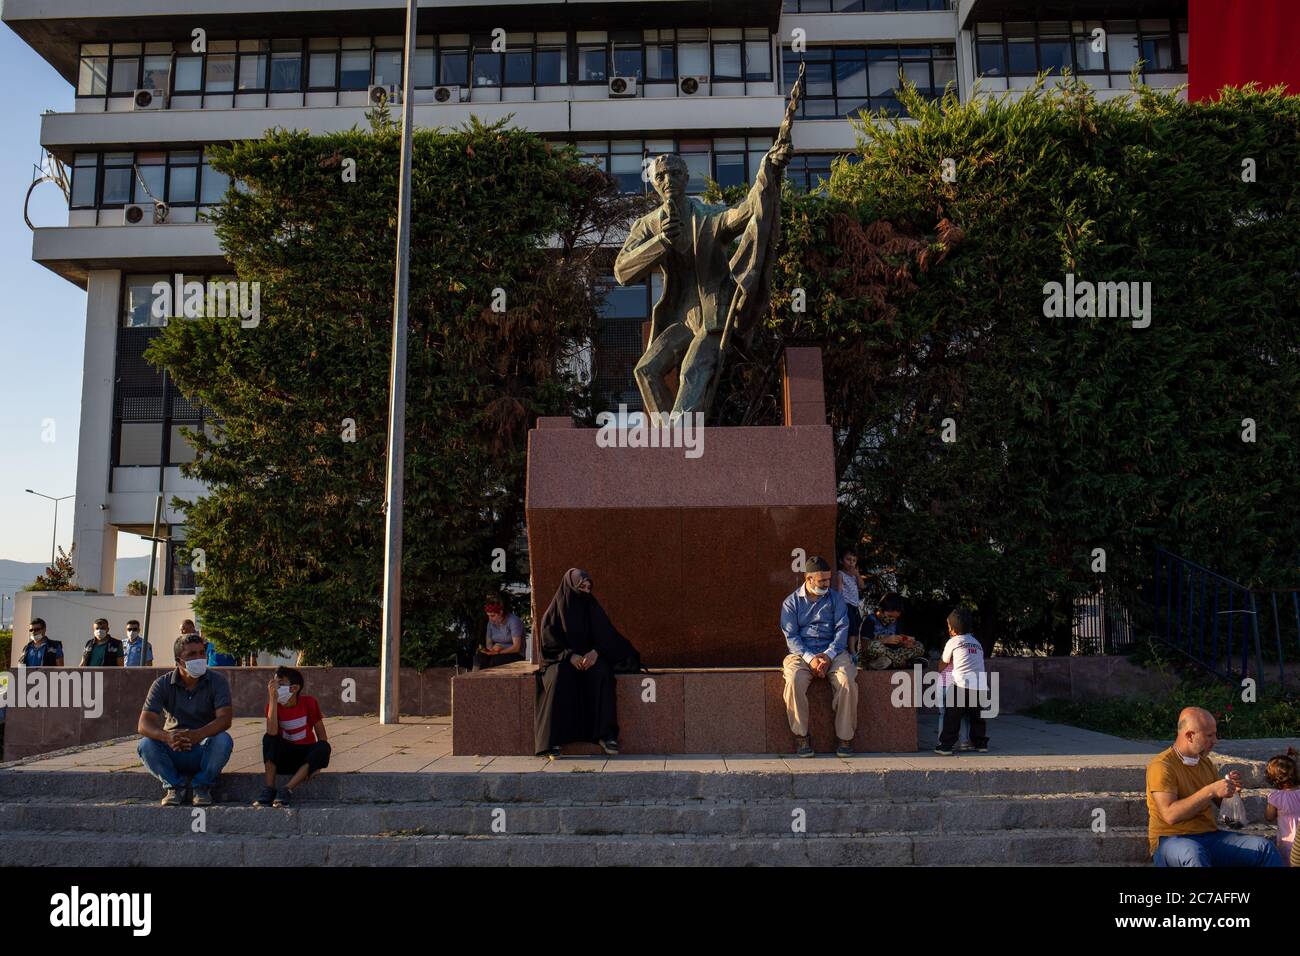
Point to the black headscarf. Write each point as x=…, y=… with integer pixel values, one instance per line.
x=574, y=623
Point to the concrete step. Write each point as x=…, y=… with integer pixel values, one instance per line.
x=1076, y=846
x=769, y=817
x=609, y=785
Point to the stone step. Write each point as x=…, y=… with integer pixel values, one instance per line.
x=770, y=817
x=1076, y=846
x=609, y=785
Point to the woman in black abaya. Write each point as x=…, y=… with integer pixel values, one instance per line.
x=575, y=681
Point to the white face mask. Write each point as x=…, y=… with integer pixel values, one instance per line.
x=101, y=633
x=196, y=668
x=283, y=694
x=133, y=634
x=814, y=589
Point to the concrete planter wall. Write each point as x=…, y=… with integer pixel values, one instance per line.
x=36, y=730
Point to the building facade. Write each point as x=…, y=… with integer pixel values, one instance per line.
x=157, y=83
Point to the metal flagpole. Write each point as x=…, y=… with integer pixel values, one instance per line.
x=390, y=661
x=148, y=587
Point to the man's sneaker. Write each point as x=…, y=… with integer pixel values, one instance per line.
x=802, y=747
x=171, y=798
x=845, y=749
x=202, y=797
x=265, y=797
x=610, y=747
x=283, y=798
x=965, y=745
x=942, y=752
x=981, y=750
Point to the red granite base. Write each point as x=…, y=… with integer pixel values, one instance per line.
x=703, y=711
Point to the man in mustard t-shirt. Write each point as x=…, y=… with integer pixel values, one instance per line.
x=1183, y=791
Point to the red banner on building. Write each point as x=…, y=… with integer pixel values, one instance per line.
x=1232, y=42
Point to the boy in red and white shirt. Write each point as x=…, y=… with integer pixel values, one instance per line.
x=294, y=742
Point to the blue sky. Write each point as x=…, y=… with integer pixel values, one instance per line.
x=42, y=323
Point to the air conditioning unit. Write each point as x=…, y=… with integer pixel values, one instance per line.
x=139, y=214
x=450, y=94
x=377, y=94
x=622, y=86
x=694, y=85
x=149, y=100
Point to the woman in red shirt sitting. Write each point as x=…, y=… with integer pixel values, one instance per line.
x=294, y=743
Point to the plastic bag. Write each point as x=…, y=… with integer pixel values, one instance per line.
x=1232, y=811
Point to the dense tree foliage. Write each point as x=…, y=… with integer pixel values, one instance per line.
x=500, y=296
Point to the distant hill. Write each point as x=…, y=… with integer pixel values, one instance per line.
x=15, y=575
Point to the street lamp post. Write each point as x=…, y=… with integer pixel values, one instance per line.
x=55, y=538
x=390, y=661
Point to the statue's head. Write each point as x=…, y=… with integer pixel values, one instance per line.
x=669, y=176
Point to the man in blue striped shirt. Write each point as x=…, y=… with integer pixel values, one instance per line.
x=815, y=622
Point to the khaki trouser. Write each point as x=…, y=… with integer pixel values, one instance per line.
x=844, y=694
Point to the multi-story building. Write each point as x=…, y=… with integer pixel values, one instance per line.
x=158, y=81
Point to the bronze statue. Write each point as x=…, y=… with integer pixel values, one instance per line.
x=708, y=297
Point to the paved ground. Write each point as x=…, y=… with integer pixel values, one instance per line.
x=423, y=745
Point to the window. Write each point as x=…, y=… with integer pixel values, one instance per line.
x=286, y=66
x=758, y=60
x=1026, y=48
x=118, y=178
x=551, y=67
x=213, y=185
x=323, y=69
x=842, y=80
x=189, y=74
x=591, y=64
x=220, y=73
x=157, y=72
x=453, y=67
x=488, y=65
x=354, y=69
x=519, y=67
x=85, y=180
x=388, y=68
x=182, y=177
x=629, y=60
x=151, y=177
x=92, y=76
x=726, y=62
x=138, y=301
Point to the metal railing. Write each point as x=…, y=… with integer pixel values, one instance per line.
x=1229, y=629
x=1102, y=624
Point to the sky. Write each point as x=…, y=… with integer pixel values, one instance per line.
x=42, y=325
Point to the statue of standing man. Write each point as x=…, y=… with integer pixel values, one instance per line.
x=709, y=293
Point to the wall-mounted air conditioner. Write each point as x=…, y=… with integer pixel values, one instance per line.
x=620, y=86
x=146, y=214
x=378, y=94
x=450, y=94
x=149, y=100
x=694, y=86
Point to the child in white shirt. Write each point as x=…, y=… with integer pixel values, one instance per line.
x=966, y=656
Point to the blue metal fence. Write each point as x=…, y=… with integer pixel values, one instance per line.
x=1229, y=629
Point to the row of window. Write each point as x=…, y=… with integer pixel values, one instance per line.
x=844, y=80
x=184, y=177
x=176, y=177
x=1030, y=47
x=353, y=63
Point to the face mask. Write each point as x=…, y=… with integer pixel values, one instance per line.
x=133, y=634
x=196, y=668
x=814, y=589
x=100, y=632
x=283, y=694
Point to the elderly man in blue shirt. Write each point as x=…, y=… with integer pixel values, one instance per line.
x=815, y=622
